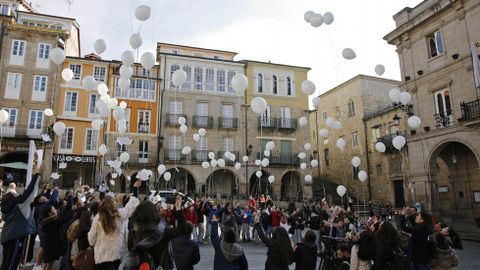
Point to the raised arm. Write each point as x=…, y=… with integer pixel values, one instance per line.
x=214, y=234
x=261, y=233
x=92, y=234
x=127, y=211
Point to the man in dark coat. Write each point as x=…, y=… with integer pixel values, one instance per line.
x=228, y=254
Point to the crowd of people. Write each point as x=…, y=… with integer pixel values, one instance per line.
x=83, y=230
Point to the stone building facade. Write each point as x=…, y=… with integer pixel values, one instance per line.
x=434, y=42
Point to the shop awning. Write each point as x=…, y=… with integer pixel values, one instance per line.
x=15, y=165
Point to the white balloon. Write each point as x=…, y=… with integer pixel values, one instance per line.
x=394, y=95
x=135, y=41
x=102, y=89
x=182, y=120
x=213, y=163
x=399, y=142
x=239, y=82
x=302, y=155
x=307, y=146
x=123, y=105
x=314, y=163
x=114, y=103
x=316, y=102
x=258, y=105
x=118, y=114
x=356, y=162
x=245, y=158
x=341, y=190
x=259, y=174
x=67, y=74
x=380, y=146
x=414, y=122
x=147, y=60
x=308, y=179
x=186, y=150
x=348, y=54
x=4, y=115
x=302, y=121
x=233, y=157
x=265, y=162
x=161, y=169
x=211, y=155
x=97, y=124
x=238, y=166
x=183, y=129
x=328, y=18
x=303, y=166
x=124, y=157
x=266, y=153
x=102, y=150
x=362, y=176
x=329, y=122
x=122, y=128
x=103, y=107
x=142, y=13
x=48, y=112
x=316, y=20
x=221, y=163
x=270, y=145
x=167, y=176
x=99, y=46
x=59, y=128
x=308, y=87
x=202, y=132
x=126, y=72
x=128, y=58
x=337, y=125
x=89, y=82
x=271, y=179
x=205, y=165
x=405, y=98
x=308, y=15
x=179, y=77
x=57, y=55
x=323, y=133
x=196, y=137
x=379, y=69
x=341, y=143
x=258, y=162
x=123, y=83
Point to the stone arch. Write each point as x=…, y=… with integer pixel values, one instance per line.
x=182, y=180
x=291, y=186
x=222, y=183
x=260, y=186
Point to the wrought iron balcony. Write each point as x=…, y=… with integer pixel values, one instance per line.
x=203, y=121
x=267, y=122
x=221, y=154
x=172, y=119
x=200, y=155
x=444, y=120
x=147, y=158
x=228, y=123
x=174, y=155
x=470, y=110
x=280, y=158
x=21, y=131
x=287, y=123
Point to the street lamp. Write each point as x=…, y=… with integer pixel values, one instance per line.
x=248, y=152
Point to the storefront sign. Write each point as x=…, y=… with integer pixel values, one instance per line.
x=442, y=189
x=74, y=158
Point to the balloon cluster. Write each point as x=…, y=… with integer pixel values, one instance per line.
x=316, y=20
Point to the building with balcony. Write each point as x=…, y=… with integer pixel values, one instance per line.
x=280, y=85
x=207, y=100
x=28, y=79
x=350, y=103
x=434, y=43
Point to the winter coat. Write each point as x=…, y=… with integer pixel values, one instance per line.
x=200, y=216
x=418, y=242
x=191, y=216
x=16, y=212
x=305, y=257
x=355, y=262
x=109, y=248
x=227, y=256
x=276, y=216
x=82, y=238
x=446, y=259
x=185, y=252
x=273, y=257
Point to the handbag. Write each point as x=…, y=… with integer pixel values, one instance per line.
x=84, y=260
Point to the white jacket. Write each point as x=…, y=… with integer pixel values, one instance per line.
x=355, y=262
x=109, y=248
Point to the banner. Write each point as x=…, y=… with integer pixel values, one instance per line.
x=31, y=158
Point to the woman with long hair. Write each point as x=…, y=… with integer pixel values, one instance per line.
x=109, y=231
x=420, y=249
x=280, y=252
x=363, y=252
x=386, y=244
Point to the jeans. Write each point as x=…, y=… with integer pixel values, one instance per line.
x=245, y=231
x=200, y=231
x=12, y=253
x=208, y=231
x=297, y=236
x=318, y=240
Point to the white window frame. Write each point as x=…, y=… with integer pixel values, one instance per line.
x=143, y=151
x=274, y=84
x=8, y=128
x=288, y=86
x=13, y=85
x=260, y=83
x=355, y=142
x=230, y=75
x=188, y=83
x=5, y=9
x=198, y=80
x=100, y=73
x=77, y=74
x=67, y=108
x=209, y=79
x=174, y=147
x=434, y=36
x=173, y=68
x=17, y=53
x=228, y=144
x=43, y=55
x=93, y=104
x=40, y=86
x=93, y=143
x=221, y=79
x=149, y=120
x=66, y=150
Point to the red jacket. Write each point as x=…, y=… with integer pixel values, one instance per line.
x=170, y=217
x=191, y=216
x=276, y=217
x=252, y=203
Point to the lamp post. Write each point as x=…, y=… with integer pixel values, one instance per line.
x=248, y=152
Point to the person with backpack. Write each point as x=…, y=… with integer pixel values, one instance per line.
x=421, y=249
x=228, y=254
x=305, y=255
x=446, y=257
x=363, y=252
x=184, y=251
x=109, y=230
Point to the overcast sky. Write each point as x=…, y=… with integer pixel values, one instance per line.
x=264, y=30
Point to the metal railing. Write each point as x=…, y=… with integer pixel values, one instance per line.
x=21, y=131
x=227, y=123
x=280, y=158
x=287, y=123
x=136, y=157
x=267, y=122
x=174, y=154
x=202, y=121
x=200, y=155
x=470, y=110
x=172, y=119
x=444, y=119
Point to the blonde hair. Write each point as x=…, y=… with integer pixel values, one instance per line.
x=108, y=214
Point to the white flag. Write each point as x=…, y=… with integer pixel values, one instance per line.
x=31, y=158
x=476, y=65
